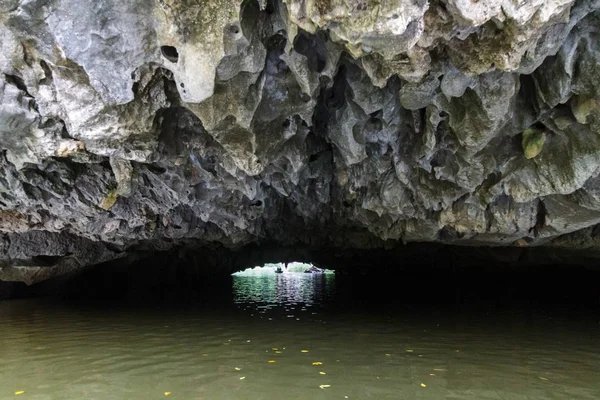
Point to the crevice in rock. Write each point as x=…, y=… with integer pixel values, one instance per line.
x=540, y=217
x=47, y=79
x=19, y=83
x=16, y=81
x=312, y=47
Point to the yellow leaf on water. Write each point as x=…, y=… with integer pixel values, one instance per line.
x=205, y=355
x=278, y=352
x=167, y=393
x=432, y=374
x=388, y=355
x=544, y=379
x=303, y=351
x=274, y=349
x=439, y=369
x=322, y=373
x=271, y=361
x=423, y=385
x=242, y=378
x=19, y=392
x=317, y=363
x=409, y=351
x=458, y=351
x=324, y=386
x=238, y=369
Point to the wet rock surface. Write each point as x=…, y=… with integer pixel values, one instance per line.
x=129, y=128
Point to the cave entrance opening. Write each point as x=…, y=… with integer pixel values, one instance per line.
x=272, y=286
x=283, y=268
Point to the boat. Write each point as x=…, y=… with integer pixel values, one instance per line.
x=313, y=270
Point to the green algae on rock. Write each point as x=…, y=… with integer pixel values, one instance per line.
x=533, y=142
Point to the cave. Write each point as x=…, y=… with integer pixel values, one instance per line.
x=442, y=157
x=292, y=131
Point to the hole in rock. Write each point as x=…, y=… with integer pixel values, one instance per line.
x=170, y=53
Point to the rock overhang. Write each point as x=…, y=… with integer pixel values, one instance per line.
x=133, y=127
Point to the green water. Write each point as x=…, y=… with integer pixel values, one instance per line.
x=224, y=349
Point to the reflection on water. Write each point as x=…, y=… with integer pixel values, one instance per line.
x=287, y=336
x=269, y=288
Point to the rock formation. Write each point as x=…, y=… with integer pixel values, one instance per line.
x=130, y=127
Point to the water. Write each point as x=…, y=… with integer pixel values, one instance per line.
x=317, y=332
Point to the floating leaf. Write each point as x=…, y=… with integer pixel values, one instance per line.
x=19, y=392
x=274, y=349
x=439, y=369
x=388, y=355
x=544, y=379
x=238, y=369
x=278, y=352
x=242, y=378
x=205, y=355
x=317, y=363
x=322, y=373
x=324, y=386
x=167, y=393
x=423, y=385
x=303, y=351
x=409, y=351
x=432, y=374
x=271, y=361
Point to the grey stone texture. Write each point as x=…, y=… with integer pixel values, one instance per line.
x=136, y=126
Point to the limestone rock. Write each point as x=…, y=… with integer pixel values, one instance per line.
x=128, y=128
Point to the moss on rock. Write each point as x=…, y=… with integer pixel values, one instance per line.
x=110, y=199
x=533, y=142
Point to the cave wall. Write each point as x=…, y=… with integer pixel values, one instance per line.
x=143, y=126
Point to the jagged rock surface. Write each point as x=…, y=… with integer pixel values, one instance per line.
x=140, y=126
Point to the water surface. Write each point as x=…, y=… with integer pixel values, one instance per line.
x=297, y=336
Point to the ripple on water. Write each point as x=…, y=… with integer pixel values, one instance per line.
x=53, y=352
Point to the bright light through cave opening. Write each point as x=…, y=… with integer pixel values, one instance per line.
x=296, y=288
x=282, y=268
